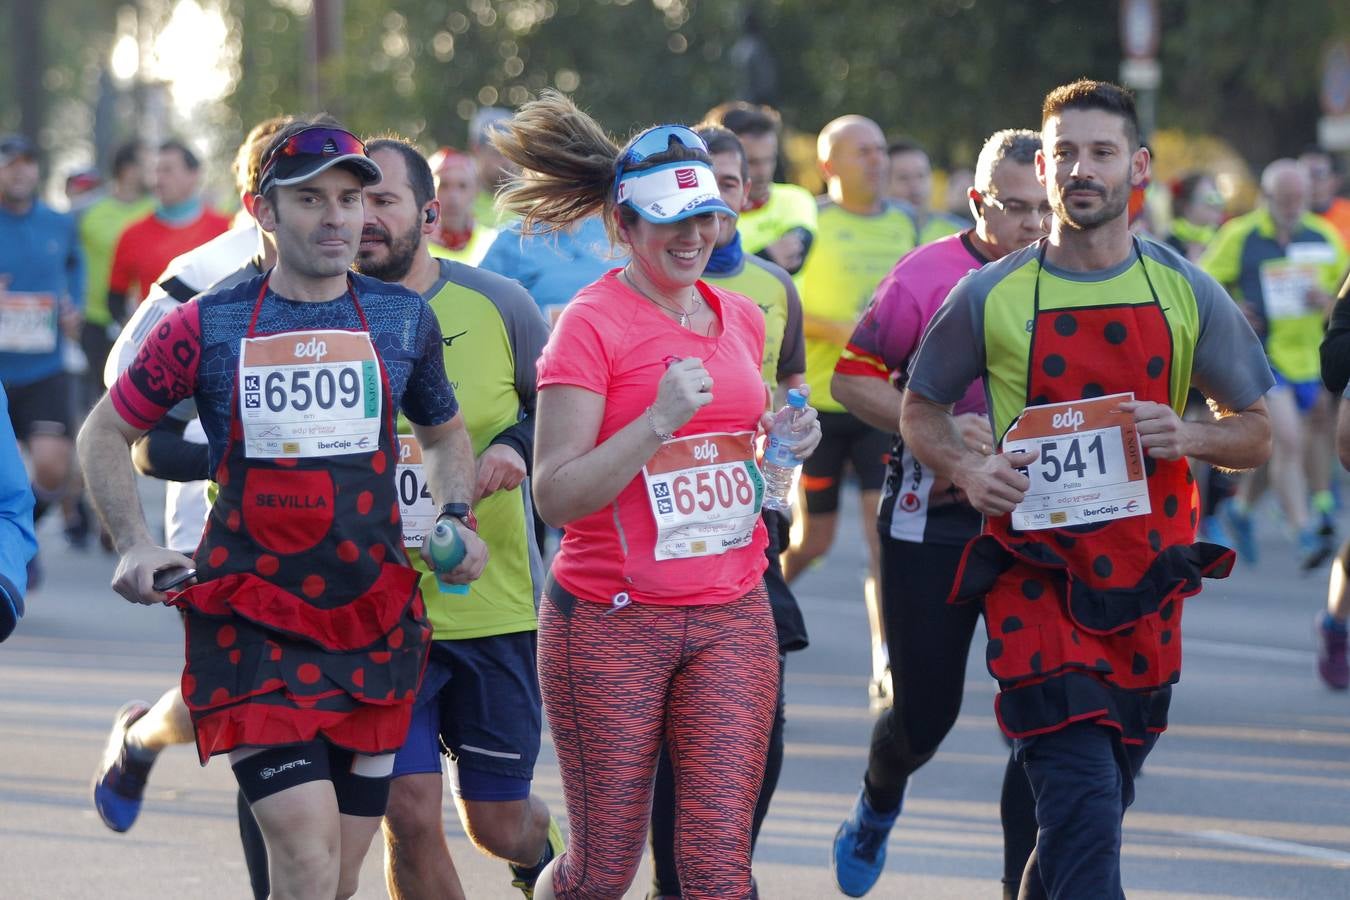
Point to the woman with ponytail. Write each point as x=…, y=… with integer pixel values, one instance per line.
x=654, y=625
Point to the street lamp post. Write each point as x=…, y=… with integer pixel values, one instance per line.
x=1139, y=37
x=324, y=47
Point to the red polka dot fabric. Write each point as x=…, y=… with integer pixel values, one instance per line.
x=1084, y=622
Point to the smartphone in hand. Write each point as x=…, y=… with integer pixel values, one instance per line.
x=172, y=577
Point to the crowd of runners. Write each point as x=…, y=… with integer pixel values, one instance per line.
x=1060, y=416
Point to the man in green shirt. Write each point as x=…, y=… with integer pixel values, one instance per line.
x=779, y=220
x=101, y=224
x=480, y=693
x=1283, y=264
x=860, y=236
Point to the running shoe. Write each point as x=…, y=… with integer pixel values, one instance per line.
x=524, y=878
x=860, y=848
x=1243, y=531
x=1332, y=664
x=119, y=783
x=1212, y=530
x=1314, y=548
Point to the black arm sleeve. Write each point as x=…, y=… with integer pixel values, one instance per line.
x=520, y=437
x=163, y=453
x=1336, y=344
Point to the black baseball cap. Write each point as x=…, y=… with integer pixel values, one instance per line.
x=16, y=146
x=311, y=151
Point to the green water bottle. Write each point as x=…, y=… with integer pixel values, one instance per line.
x=445, y=551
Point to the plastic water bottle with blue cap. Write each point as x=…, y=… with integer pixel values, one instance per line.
x=780, y=465
x=445, y=551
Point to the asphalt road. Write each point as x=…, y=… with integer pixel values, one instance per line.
x=1247, y=795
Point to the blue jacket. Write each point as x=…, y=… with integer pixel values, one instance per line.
x=39, y=254
x=17, y=543
x=553, y=267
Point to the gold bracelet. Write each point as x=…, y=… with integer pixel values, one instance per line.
x=651, y=423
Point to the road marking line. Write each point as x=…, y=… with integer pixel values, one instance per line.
x=1249, y=651
x=1270, y=845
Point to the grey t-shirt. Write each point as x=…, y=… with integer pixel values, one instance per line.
x=1228, y=364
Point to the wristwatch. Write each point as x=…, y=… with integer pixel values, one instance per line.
x=461, y=511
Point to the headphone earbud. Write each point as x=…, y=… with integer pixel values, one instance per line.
x=431, y=216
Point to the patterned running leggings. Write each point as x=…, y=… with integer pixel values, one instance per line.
x=619, y=682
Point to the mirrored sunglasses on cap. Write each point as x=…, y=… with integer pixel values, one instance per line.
x=654, y=141
x=307, y=153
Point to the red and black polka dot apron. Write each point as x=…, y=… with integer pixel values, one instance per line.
x=1084, y=622
x=307, y=621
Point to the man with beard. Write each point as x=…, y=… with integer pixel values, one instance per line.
x=1088, y=342
x=480, y=694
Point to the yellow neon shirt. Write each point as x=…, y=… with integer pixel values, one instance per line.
x=850, y=256
x=789, y=206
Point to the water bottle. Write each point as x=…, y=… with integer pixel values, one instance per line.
x=445, y=551
x=780, y=466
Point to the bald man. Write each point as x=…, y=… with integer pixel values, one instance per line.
x=860, y=236
x=1284, y=264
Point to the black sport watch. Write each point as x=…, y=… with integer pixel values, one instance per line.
x=461, y=511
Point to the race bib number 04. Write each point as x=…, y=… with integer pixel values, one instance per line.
x=309, y=394
x=705, y=493
x=415, y=504
x=1090, y=468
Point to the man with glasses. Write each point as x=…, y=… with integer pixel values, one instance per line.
x=306, y=633
x=923, y=522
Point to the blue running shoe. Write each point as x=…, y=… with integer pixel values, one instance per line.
x=1212, y=530
x=119, y=783
x=1242, y=530
x=1315, y=547
x=860, y=848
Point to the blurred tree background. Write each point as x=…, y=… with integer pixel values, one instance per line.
x=85, y=73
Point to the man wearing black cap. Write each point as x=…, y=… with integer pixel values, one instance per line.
x=41, y=295
x=306, y=634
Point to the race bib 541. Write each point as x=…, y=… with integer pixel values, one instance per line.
x=1090, y=466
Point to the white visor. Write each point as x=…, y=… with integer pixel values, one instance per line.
x=673, y=191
